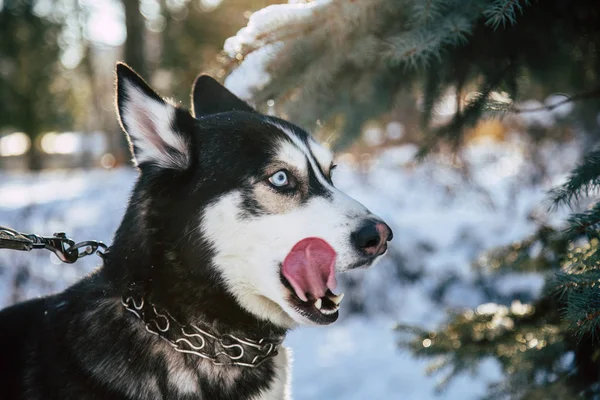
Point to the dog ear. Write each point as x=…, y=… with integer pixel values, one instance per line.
x=149, y=123
x=210, y=97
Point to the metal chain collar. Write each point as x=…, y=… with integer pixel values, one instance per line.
x=65, y=249
x=220, y=350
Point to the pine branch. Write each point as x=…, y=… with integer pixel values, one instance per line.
x=565, y=282
x=416, y=48
x=527, y=340
x=568, y=99
x=501, y=107
x=459, y=28
x=472, y=112
x=413, y=35
x=583, y=310
x=582, y=259
x=541, y=252
x=427, y=11
x=265, y=39
x=582, y=180
x=431, y=92
x=279, y=33
x=503, y=11
x=589, y=318
x=579, y=289
x=586, y=223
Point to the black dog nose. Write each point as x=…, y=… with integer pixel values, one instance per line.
x=372, y=237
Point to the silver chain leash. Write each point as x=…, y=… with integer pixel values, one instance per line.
x=65, y=249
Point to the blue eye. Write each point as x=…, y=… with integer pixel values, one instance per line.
x=279, y=179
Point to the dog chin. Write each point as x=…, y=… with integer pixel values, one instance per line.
x=306, y=313
x=321, y=311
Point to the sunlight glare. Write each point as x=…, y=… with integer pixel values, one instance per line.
x=106, y=23
x=61, y=143
x=446, y=106
x=14, y=144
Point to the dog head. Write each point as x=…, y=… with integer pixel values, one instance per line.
x=248, y=197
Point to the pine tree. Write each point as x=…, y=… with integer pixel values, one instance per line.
x=344, y=63
x=549, y=348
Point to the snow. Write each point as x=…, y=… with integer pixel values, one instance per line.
x=359, y=359
x=395, y=130
x=270, y=19
x=444, y=212
x=538, y=114
x=562, y=107
x=251, y=76
x=540, y=117
x=263, y=37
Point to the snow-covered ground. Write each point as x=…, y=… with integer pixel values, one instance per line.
x=442, y=220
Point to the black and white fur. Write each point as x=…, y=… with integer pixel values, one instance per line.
x=204, y=237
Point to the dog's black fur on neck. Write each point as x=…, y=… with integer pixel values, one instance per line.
x=82, y=344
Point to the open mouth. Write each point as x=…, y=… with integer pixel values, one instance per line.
x=308, y=272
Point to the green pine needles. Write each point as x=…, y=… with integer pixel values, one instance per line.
x=504, y=12
x=583, y=179
x=550, y=347
x=579, y=281
x=344, y=63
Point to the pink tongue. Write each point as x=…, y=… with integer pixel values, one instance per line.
x=310, y=268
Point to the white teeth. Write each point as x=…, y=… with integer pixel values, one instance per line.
x=329, y=312
x=318, y=303
x=337, y=299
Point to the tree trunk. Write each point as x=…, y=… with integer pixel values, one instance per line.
x=135, y=55
x=35, y=160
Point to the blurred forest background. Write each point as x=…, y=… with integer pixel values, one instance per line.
x=471, y=125
x=57, y=62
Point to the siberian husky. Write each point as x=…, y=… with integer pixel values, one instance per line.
x=233, y=235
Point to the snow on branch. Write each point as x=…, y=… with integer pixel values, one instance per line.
x=260, y=42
